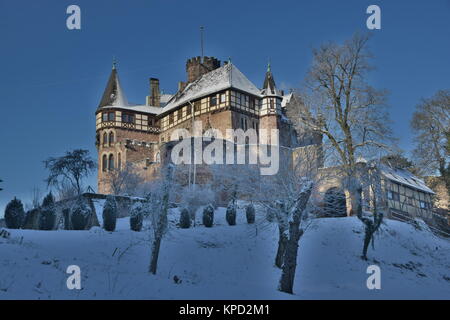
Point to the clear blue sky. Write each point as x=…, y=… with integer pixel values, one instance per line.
x=51, y=78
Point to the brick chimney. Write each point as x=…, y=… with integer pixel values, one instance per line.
x=155, y=95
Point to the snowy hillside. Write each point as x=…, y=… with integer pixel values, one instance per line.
x=224, y=262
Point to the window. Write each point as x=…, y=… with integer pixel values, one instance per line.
x=105, y=139
x=171, y=118
x=111, y=162
x=150, y=122
x=223, y=98
x=180, y=114
x=111, y=116
x=104, y=163
x=119, y=161
x=197, y=106
x=424, y=205
x=213, y=101
x=111, y=138
x=104, y=116
x=252, y=103
x=127, y=117
x=392, y=195
x=272, y=106
x=158, y=158
x=188, y=110
x=242, y=123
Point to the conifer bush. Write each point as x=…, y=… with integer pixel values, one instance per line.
x=208, y=216
x=80, y=214
x=14, y=214
x=47, y=216
x=250, y=213
x=137, y=216
x=110, y=214
x=185, y=219
x=231, y=214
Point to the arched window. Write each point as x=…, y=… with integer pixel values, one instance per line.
x=111, y=138
x=119, y=161
x=111, y=162
x=158, y=158
x=105, y=139
x=104, y=163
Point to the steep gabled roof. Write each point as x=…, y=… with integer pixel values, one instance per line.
x=226, y=77
x=113, y=94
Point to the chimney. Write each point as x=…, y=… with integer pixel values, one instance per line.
x=198, y=66
x=181, y=86
x=155, y=96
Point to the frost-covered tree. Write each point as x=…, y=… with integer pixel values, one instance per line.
x=81, y=212
x=372, y=219
x=295, y=232
x=137, y=216
x=110, y=214
x=349, y=113
x=71, y=169
x=14, y=214
x=123, y=181
x=431, y=123
x=158, y=207
x=47, y=216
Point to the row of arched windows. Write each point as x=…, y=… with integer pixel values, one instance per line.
x=108, y=139
x=108, y=162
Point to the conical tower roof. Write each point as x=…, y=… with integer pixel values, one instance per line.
x=269, y=87
x=113, y=94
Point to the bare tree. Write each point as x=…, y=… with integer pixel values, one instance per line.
x=71, y=168
x=377, y=204
x=431, y=125
x=350, y=113
x=123, y=181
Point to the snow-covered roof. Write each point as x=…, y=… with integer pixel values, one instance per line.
x=286, y=99
x=404, y=177
x=137, y=108
x=225, y=77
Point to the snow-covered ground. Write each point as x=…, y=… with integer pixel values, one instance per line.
x=224, y=262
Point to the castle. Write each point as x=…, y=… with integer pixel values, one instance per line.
x=219, y=95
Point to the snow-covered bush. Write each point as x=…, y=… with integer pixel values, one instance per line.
x=14, y=214
x=250, y=213
x=208, y=216
x=194, y=198
x=231, y=213
x=47, y=215
x=136, y=216
x=80, y=214
x=185, y=219
x=110, y=214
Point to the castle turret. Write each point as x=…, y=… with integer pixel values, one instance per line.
x=113, y=94
x=198, y=66
x=271, y=103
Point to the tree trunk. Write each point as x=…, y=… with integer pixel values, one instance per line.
x=155, y=254
x=282, y=243
x=290, y=255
